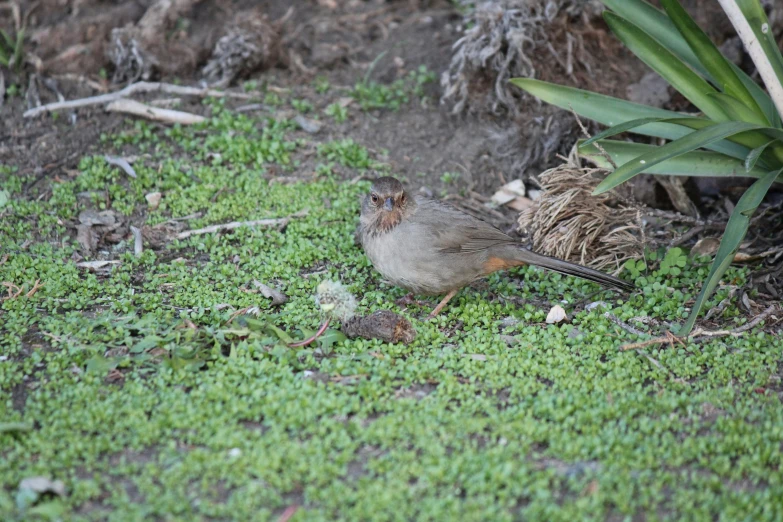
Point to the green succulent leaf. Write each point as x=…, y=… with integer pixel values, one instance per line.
x=712, y=59
x=632, y=124
x=755, y=154
x=735, y=232
x=697, y=163
x=693, y=141
x=669, y=66
x=614, y=111
x=655, y=23
x=737, y=110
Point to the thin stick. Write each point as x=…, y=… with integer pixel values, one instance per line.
x=701, y=333
x=13, y=290
x=315, y=336
x=625, y=326
x=695, y=231
x=756, y=52
x=597, y=145
x=289, y=512
x=140, y=87
x=35, y=288
x=234, y=224
x=154, y=113
x=736, y=331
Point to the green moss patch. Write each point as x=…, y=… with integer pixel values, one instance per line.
x=142, y=389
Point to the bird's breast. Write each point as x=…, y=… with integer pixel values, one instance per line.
x=410, y=260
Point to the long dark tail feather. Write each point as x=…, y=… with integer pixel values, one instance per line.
x=564, y=267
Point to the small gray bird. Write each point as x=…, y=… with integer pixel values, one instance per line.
x=430, y=248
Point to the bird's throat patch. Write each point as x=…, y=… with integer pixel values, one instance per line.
x=387, y=221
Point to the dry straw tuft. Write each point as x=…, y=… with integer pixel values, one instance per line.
x=568, y=222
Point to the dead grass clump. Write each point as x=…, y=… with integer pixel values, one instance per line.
x=507, y=39
x=554, y=40
x=568, y=222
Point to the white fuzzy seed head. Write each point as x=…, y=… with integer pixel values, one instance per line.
x=335, y=300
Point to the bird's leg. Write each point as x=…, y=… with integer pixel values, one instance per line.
x=443, y=303
x=405, y=300
x=408, y=300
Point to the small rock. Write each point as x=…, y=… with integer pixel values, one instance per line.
x=556, y=315
x=153, y=200
x=43, y=485
x=426, y=192
x=308, y=125
x=509, y=192
x=596, y=304
x=91, y=217
x=509, y=339
x=574, y=332
x=520, y=204
x=651, y=90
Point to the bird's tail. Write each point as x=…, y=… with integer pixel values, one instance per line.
x=529, y=257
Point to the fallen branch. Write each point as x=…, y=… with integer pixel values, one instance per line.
x=36, y=286
x=281, y=222
x=670, y=338
x=625, y=326
x=736, y=331
x=130, y=90
x=315, y=336
x=289, y=512
x=154, y=113
x=13, y=290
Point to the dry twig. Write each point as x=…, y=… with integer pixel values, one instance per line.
x=701, y=333
x=154, y=113
x=281, y=222
x=13, y=290
x=36, y=286
x=136, y=88
x=622, y=324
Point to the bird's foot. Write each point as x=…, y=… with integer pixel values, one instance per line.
x=442, y=304
x=408, y=300
x=405, y=300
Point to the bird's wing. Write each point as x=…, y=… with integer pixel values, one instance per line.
x=453, y=231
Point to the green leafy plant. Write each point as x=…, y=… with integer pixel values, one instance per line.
x=738, y=132
x=449, y=177
x=337, y=111
x=302, y=106
x=11, y=49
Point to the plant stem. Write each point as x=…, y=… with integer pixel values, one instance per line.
x=752, y=45
x=317, y=334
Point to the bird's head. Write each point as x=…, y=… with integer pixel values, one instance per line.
x=386, y=205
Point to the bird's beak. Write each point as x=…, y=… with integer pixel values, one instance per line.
x=388, y=204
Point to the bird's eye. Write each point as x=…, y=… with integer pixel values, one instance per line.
x=374, y=198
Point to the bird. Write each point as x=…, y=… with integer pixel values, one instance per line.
x=428, y=247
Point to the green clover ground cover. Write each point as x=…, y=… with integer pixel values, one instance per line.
x=505, y=419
